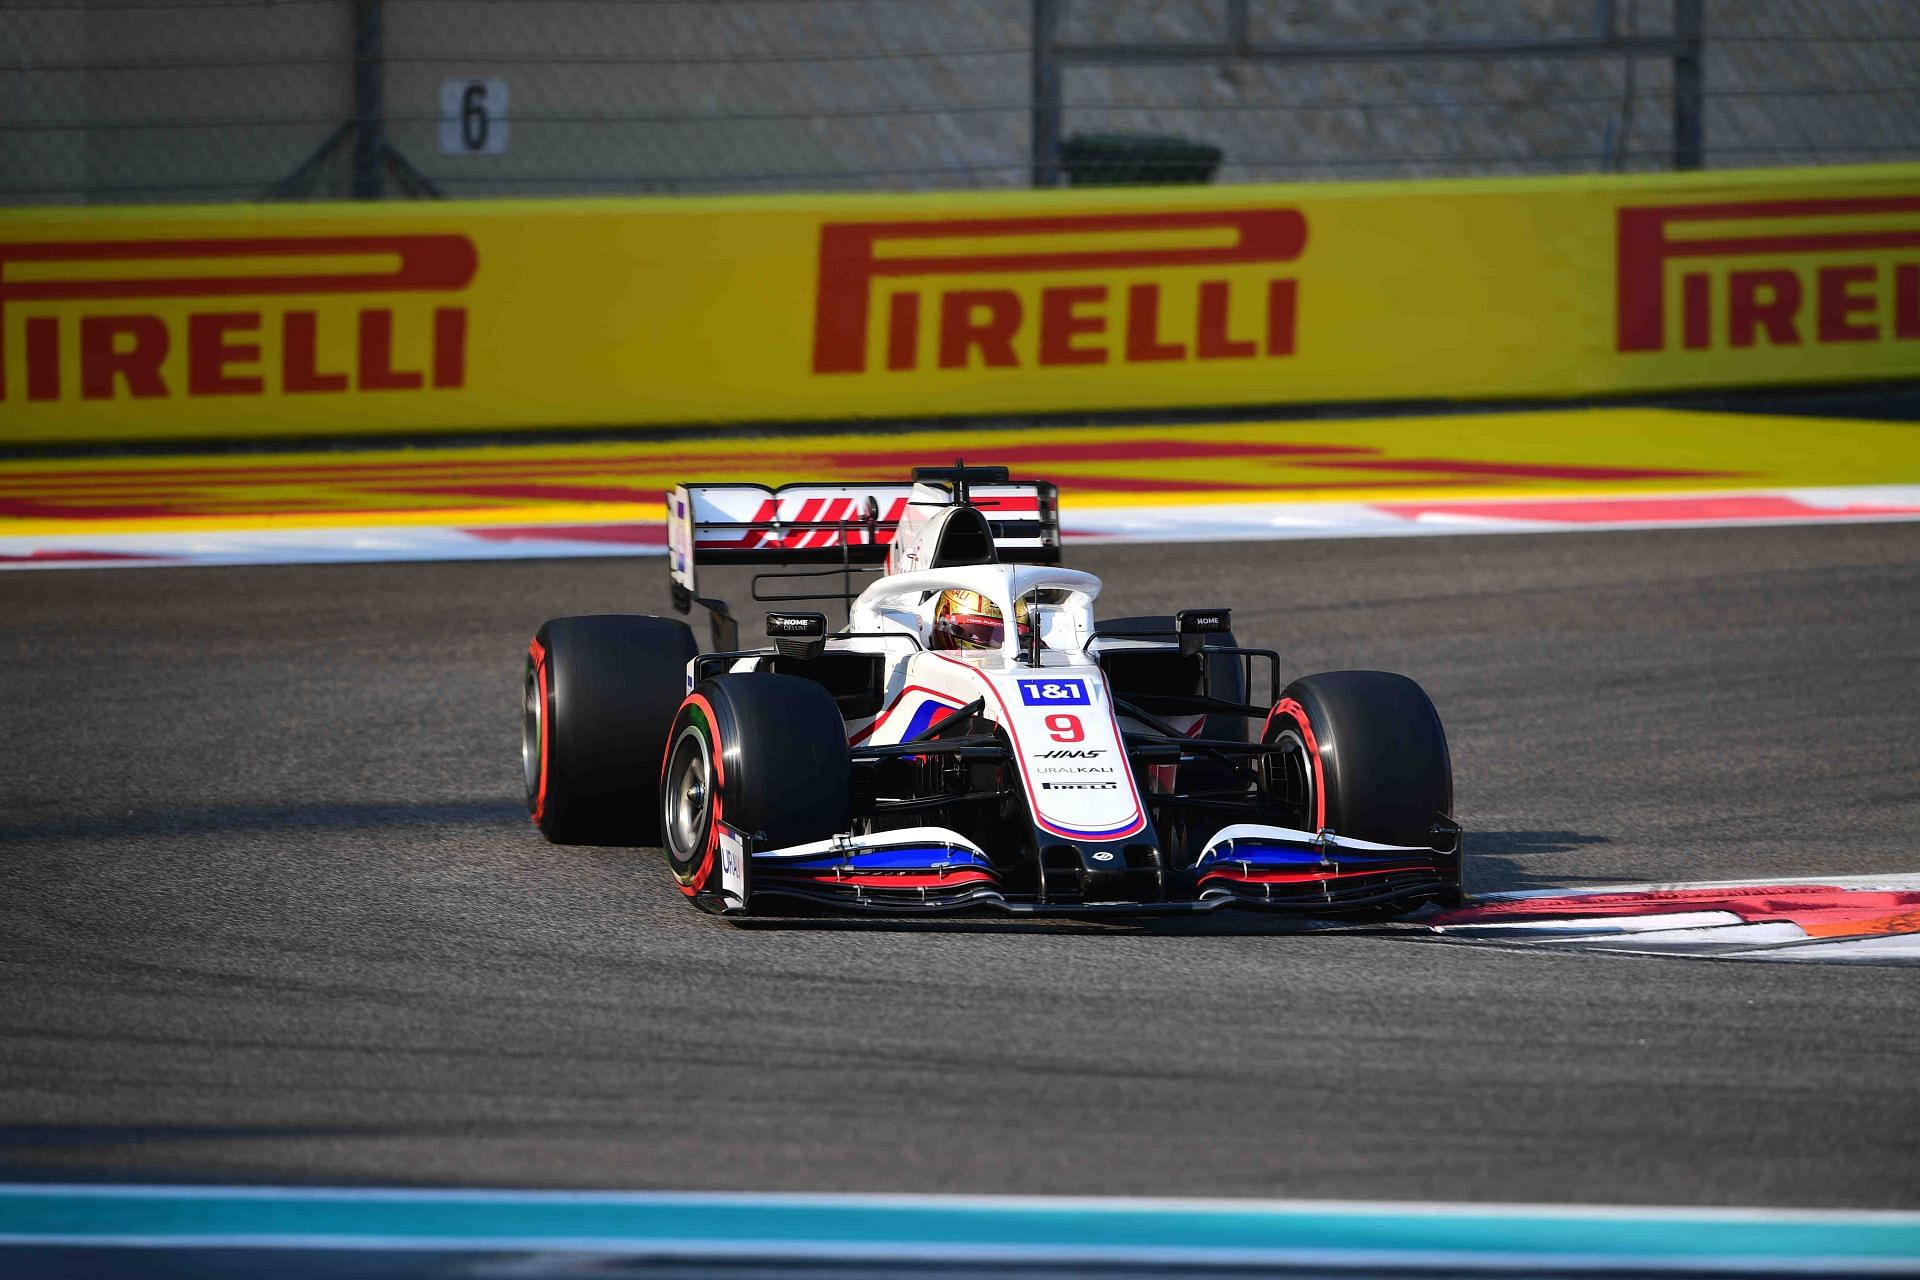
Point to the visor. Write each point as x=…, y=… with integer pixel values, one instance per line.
x=976, y=629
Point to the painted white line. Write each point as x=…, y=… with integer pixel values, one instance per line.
x=1845, y=950
x=1893, y=881
x=1517, y=513
x=1726, y=938
x=1577, y=926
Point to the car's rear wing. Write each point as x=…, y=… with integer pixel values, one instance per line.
x=838, y=525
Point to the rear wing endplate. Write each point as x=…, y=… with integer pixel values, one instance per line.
x=837, y=524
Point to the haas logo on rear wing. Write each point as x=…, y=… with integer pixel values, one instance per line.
x=837, y=524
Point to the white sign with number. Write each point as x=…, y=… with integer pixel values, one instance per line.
x=473, y=117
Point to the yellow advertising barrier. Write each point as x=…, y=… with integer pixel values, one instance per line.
x=329, y=319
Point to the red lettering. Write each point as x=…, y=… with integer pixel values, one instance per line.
x=1143, y=326
x=1211, y=340
x=1646, y=247
x=1838, y=302
x=854, y=257
x=300, y=356
x=102, y=360
x=450, y=347
x=1696, y=312
x=1283, y=309
x=992, y=334
x=1906, y=301
x=1747, y=314
x=43, y=358
x=903, y=331
x=209, y=353
x=1061, y=321
x=376, y=355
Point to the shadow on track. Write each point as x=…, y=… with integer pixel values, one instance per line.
x=1497, y=861
x=1225, y=923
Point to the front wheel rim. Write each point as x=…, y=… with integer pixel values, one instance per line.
x=532, y=731
x=688, y=796
x=1290, y=777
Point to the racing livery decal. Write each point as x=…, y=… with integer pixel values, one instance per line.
x=1054, y=692
x=912, y=713
x=1090, y=813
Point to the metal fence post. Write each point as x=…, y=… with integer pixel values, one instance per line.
x=1689, y=89
x=1239, y=26
x=1047, y=94
x=369, y=103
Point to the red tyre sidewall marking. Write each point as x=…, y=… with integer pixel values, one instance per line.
x=537, y=654
x=697, y=880
x=1298, y=714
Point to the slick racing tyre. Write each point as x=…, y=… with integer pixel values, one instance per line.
x=599, y=695
x=1365, y=755
x=767, y=755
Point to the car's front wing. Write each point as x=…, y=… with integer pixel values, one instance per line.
x=934, y=869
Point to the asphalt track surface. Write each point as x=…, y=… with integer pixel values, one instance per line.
x=271, y=911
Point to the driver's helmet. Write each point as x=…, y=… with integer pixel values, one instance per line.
x=969, y=620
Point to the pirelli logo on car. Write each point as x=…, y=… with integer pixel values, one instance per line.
x=233, y=316
x=1768, y=273
x=1057, y=291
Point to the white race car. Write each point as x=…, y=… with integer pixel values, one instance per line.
x=972, y=736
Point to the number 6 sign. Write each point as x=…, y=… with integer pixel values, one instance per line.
x=473, y=117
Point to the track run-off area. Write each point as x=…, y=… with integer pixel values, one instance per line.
x=272, y=915
x=1473, y=473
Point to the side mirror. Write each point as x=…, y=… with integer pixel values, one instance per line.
x=1193, y=626
x=798, y=634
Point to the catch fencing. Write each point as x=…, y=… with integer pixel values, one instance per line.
x=164, y=101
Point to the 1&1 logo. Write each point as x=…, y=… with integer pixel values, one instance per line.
x=1054, y=693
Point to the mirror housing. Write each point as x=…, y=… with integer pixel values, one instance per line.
x=1193, y=626
x=797, y=633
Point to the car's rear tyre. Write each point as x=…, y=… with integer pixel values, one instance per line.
x=1366, y=757
x=768, y=755
x=597, y=699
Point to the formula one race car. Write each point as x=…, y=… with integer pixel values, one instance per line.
x=972, y=737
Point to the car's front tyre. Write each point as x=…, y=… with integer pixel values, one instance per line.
x=767, y=755
x=1364, y=755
